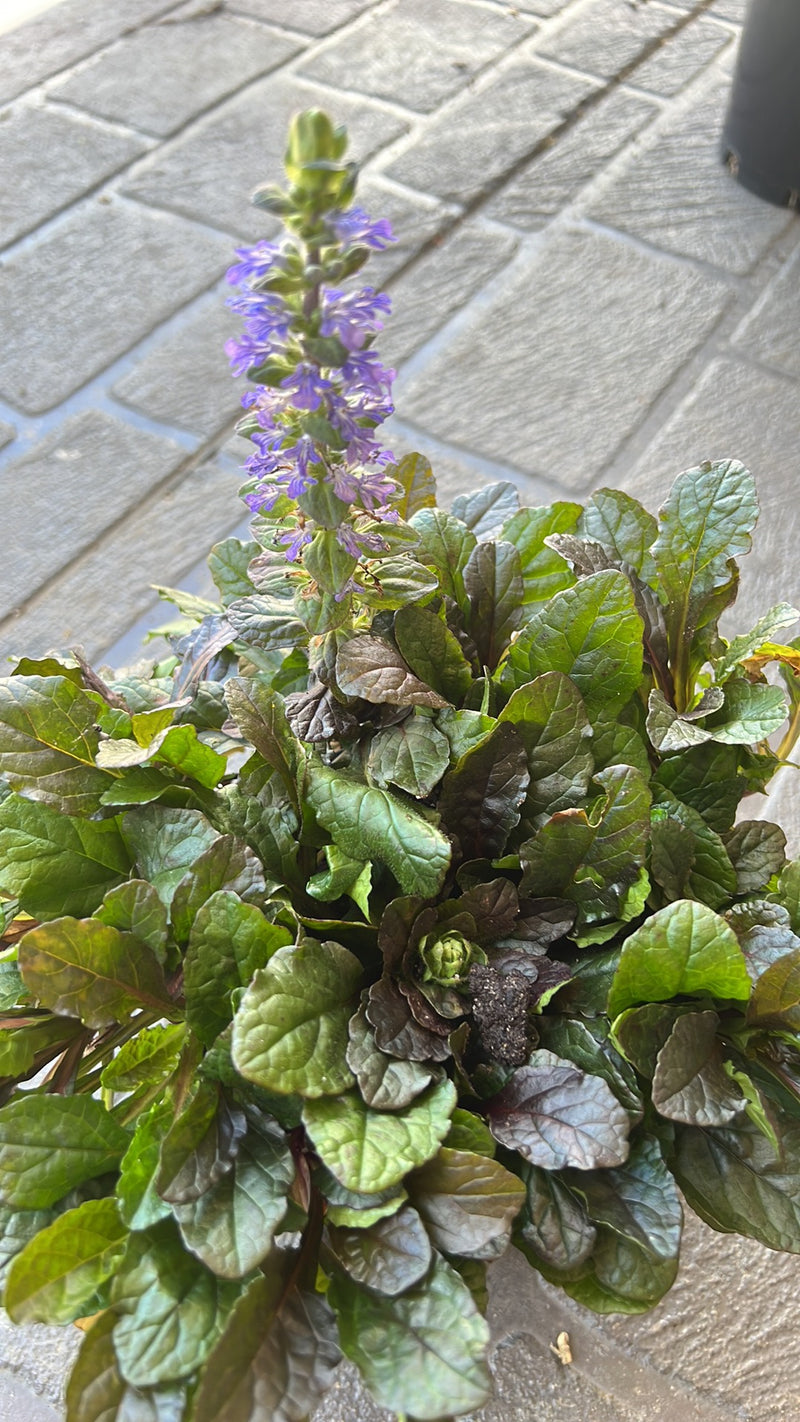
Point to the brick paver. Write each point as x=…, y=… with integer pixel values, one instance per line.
x=584, y=296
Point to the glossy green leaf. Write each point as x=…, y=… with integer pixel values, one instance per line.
x=469, y=1202
x=586, y=1042
x=85, y=969
x=18, y=1228
x=370, y=823
x=232, y=1224
x=622, y=527
x=165, y=843
x=683, y=949
x=592, y=633
x=50, y=1144
x=555, y=1232
x=228, y=563
x=49, y=740
x=390, y=1256
x=57, y=1274
x=418, y=487
x=140, y=1205
x=493, y=584
x=135, y=907
x=544, y=572
x=482, y=795
x=171, y=1309
x=259, y=714
x=344, y=875
x=276, y=1358
x=423, y=1353
x=97, y=1393
x=54, y=864
x=690, y=1082
x=732, y=1178
x=226, y=864
x=757, y=850
x=776, y=995
x=200, y=1146
x=152, y=1054
x=395, y=582
x=412, y=755
x=549, y=717
x=445, y=544
x=637, y=1200
x=486, y=509
x=711, y=877
x=470, y=1132
x=368, y=1150
x=290, y=1032
x=229, y=941
x=765, y=630
x=554, y=1115
x=433, y=652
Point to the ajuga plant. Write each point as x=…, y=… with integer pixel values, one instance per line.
x=409, y=910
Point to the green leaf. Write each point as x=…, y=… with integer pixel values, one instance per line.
x=622, y=527
x=176, y=746
x=97, y=1393
x=393, y=582
x=776, y=995
x=19, y=1047
x=445, y=545
x=373, y=669
x=550, y=719
x=752, y=712
x=343, y=876
x=56, y=865
x=412, y=755
x=672, y=854
x=764, y=934
x=276, y=1358
x=433, y=652
x=555, y=1232
x=624, y=1279
x=229, y=941
x=172, y=1309
x=370, y=823
x=493, y=584
x=757, y=850
x=788, y=892
x=57, y=1274
x=711, y=876
x=554, y=1115
x=134, y=907
x=49, y=740
x=417, y=484
x=432, y=1357
x=268, y=623
x=83, y=968
x=733, y=1180
x=690, y=1082
x=200, y=1146
x=290, y=1032
x=327, y=562
x=387, y=1083
x=468, y=1202
x=592, y=633
x=587, y=1044
x=544, y=572
x=153, y=1053
x=707, y=779
x=481, y=796
x=765, y=630
x=368, y=1150
x=469, y=1132
x=165, y=843
x=637, y=1200
x=226, y=864
x=683, y=949
x=18, y=1228
x=485, y=510
x=259, y=714
x=139, y=1203
x=228, y=563
x=231, y=1226
x=50, y=1144
x=390, y=1256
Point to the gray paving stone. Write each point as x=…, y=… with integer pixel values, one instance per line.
x=185, y=380
x=159, y=77
x=676, y=194
x=556, y=176
x=538, y=380
x=770, y=331
x=677, y=62
x=158, y=543
x=313, y=17
x=738, y=412
x=478, y=140
x=545, y=8
x=73, y=155
x=79, y=298
x=734, y=11
x=415, y=220
x=19, y=1404
x=606, y=35
x=61, y=36
x=209, y=173
x=34, y=1360
x=443, y=47
x=439, y=285
x=59, y=498
x=7, y=433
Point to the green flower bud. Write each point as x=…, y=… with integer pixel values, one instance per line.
x=448, y=957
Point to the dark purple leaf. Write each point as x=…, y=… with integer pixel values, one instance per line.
x=556, y=1115
x=481, y=796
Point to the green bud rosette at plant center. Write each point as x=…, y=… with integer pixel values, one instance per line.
x=409, y=910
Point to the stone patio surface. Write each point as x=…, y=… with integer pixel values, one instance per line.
x=583, y=296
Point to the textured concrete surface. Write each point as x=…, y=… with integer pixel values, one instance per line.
x=583, y=296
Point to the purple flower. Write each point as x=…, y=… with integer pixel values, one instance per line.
x=294, y=542
x=243, y=353
x=306, y=387
x=364, y=369
x=354, y=225
x=256, y=262
x=353, y=315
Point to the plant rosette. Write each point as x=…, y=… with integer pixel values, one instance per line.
x=407, y=911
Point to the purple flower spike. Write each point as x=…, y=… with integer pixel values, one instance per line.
x=294, y=542
x=256, y=262
x=355, y=225
x=353, y=315
x=306, y=387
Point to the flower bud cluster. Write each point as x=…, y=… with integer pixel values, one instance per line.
x=321, y=390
